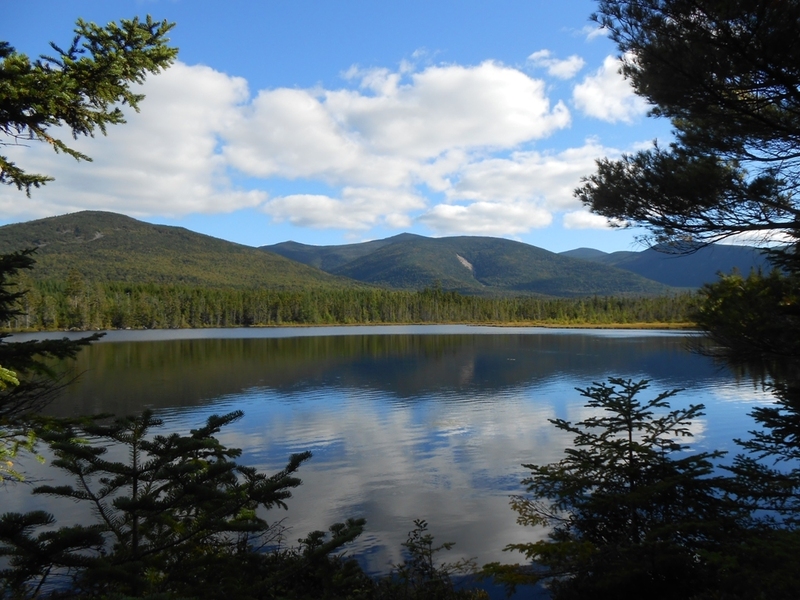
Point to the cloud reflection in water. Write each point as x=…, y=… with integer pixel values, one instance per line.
x=402, y=426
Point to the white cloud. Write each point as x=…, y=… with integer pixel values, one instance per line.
x=527, y=176
x=163, y=161
x=511, y=196
x=563, y=69
x=581, y=219
x=759, y=238
x=358, y=208
x=448, y=147
x=290, y=133
x=389, y=133
x=607, y=96
x=486, y=218
x=594, y=31
x=394, y=132
x=447, y=107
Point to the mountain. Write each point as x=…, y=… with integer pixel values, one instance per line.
x=330, y=258
x=470, y=265
x=585, y=254
x=680, y=270
x=104, y=246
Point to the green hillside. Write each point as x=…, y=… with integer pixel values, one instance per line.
x=105, y=247
x=472, y=265
x=330, y=258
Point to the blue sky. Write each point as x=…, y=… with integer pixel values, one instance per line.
x=330, y=122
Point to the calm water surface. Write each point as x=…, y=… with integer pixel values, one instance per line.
x=428, y=422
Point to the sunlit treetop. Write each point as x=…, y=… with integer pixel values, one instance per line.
x=80, y=88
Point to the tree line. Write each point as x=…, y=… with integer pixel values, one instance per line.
x=80, y=305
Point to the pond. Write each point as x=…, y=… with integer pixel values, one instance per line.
x=422, y=422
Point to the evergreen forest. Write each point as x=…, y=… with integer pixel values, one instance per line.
x=80, y=305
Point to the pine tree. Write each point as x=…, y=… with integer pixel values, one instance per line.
x=173, y=516
x=35, y=381
x=630, y=512
x=80, y=88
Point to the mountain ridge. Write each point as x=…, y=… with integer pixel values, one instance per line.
x=681, y=270
x=469, y=265
x=112, y=247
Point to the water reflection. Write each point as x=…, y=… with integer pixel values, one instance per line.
x=123, y=377
x=402, y=426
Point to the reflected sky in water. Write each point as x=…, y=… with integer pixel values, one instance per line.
x=403, y=422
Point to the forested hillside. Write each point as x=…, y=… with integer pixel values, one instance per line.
x=330, y=258
x=98, y=270
x=469, y=265
x=107, y=247
x=102, y=246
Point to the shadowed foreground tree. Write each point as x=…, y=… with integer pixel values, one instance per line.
x=629, y=511
x=178, y=517
x=79, y=89
x=420, y=577
x=727, y=75
x=35, y=378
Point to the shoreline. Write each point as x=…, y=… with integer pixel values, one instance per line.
x=531, y=324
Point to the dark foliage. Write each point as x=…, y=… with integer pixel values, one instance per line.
x=753, y=318
x=629, y=512
x=179, y=517
x=36, y=379
x=162, y=515
x=420, y=577
x=32, y=360
x=77, y=304
x=726, y=74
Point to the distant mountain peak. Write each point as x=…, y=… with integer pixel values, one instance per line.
x=584, y=253
x=688, y=270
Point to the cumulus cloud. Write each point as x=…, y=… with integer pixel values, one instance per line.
x=435, y=111
x=581, y=219
x=390, y=133
x=164, y=160
x=291, y=133
x=357, y=209
x=512, y=195
x=449, y=147
x=487, y=218
x=592, y=32
x=607, y=96
x=397, y=130
x=447, y=107
x=548, y=178
x=563, y=69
